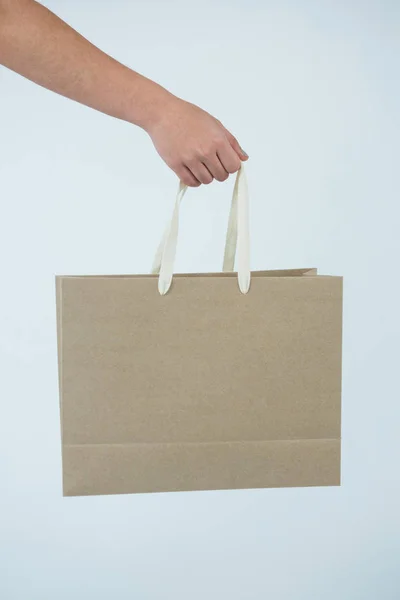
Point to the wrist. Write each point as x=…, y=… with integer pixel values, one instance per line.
x=149, y=105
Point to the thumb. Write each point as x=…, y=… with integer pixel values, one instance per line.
x=236, y=146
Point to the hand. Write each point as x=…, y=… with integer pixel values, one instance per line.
x=195, y=145
x=37, y=44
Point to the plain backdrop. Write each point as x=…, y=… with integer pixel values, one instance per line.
x=311, y=89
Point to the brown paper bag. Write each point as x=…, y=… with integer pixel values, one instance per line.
x=209, y=386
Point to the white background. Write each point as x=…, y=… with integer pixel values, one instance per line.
x=311, y=89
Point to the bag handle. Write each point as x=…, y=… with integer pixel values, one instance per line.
x=237, y=239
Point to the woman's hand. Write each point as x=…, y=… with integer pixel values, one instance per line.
x=195, y=145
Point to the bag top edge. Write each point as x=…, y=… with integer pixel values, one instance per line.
x=281, y=273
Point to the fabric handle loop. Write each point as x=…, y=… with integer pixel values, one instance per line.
x=237, y=244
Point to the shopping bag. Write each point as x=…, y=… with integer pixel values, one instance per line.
x=183, y=382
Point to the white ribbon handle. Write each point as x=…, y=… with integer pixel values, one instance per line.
x=237, y=239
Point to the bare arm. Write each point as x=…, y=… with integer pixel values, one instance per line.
x=38, y=45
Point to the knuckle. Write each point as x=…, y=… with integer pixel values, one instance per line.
x=187, y=179
x=211, y=149
x=221, y=142
x=223, y=176
x=208, y=153
x=190, y=160
x=234, y=167
x=220, y=176
x=207, y=179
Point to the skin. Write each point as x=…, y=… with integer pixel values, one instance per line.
x=35, y=43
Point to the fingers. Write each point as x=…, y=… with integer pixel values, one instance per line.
x=228, y=157
x=223, y=158
x=201, y=172
x=218, y=163
x=186, y=176
x=236, y=146
x=216, y=168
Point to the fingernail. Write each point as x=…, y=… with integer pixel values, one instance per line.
x=244, y=153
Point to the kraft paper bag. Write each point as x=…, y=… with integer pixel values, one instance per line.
x=200, y=381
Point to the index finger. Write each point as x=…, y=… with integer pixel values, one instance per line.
x=228, y=157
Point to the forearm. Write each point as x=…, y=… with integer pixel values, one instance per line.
x=38, y=45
